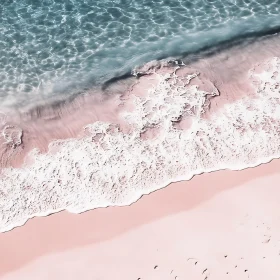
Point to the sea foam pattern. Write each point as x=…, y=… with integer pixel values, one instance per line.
x=109, y=167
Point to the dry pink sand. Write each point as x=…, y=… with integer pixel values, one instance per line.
x=222, y=225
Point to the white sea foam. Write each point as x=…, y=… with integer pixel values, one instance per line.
x=109, y=167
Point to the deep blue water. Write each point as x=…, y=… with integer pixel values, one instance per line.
x=52, y=47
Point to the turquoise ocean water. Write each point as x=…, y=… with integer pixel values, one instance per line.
x=55, y=47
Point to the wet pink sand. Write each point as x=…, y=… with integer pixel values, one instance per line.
x=222, y=225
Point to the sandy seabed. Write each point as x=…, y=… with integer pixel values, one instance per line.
x=221, y=225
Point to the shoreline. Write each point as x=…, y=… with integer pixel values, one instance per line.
x=63, y=231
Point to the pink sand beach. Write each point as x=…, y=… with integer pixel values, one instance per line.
x=221, y=225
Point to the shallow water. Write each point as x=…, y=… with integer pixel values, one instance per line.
x=52, y=47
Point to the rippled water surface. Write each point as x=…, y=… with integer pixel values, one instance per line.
x=52, y=47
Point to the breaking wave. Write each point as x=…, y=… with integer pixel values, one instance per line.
x=167, y=138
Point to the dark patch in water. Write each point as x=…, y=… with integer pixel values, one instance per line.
x=115, y=79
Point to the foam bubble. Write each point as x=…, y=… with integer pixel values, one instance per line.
x=12, y=135
x=110, y=167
